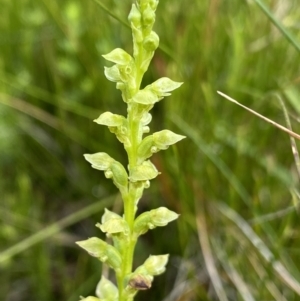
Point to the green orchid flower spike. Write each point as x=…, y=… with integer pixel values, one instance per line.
x=127, y=72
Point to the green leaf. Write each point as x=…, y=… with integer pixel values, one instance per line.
x=145, y=171
x=101, y=161
x=118, y=56
x=110, y=119
x=106, y=290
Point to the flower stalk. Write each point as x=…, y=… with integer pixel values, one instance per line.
x=127, y=72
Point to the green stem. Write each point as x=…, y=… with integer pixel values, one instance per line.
x=130, y=200
x=129, y=203
x=129, y=246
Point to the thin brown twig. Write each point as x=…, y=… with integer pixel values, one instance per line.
x=291, y=133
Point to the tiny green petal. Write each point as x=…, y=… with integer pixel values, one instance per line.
x=109, y=215
x=146, y=119
x=118, y=56
x=110, y=119
x=112, y=73
x=164, y=85
x=145, y=171
x=102, y=250
x=94, y=246
x=156, y=265
x=106, y=290
x=165, y=138
x=115, y=225
x=90, y=298
x=162, y=216
x=145, y=97
x=101, y=161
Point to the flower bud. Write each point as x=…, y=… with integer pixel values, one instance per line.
x=153, y=4
x=151, y=42
x=148, y=16
x=135, y=16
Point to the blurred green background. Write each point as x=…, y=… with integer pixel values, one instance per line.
x=234, y=180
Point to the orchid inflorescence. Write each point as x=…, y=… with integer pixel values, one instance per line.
x=127, y=72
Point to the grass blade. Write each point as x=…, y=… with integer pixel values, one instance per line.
x=207, y=252
x=260, y=246
x=232, y=273
x=280, y=27
x=55, y=228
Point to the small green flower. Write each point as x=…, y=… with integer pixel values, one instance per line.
x=159, y=217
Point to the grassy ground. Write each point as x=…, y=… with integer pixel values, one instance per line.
x=234, y=179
